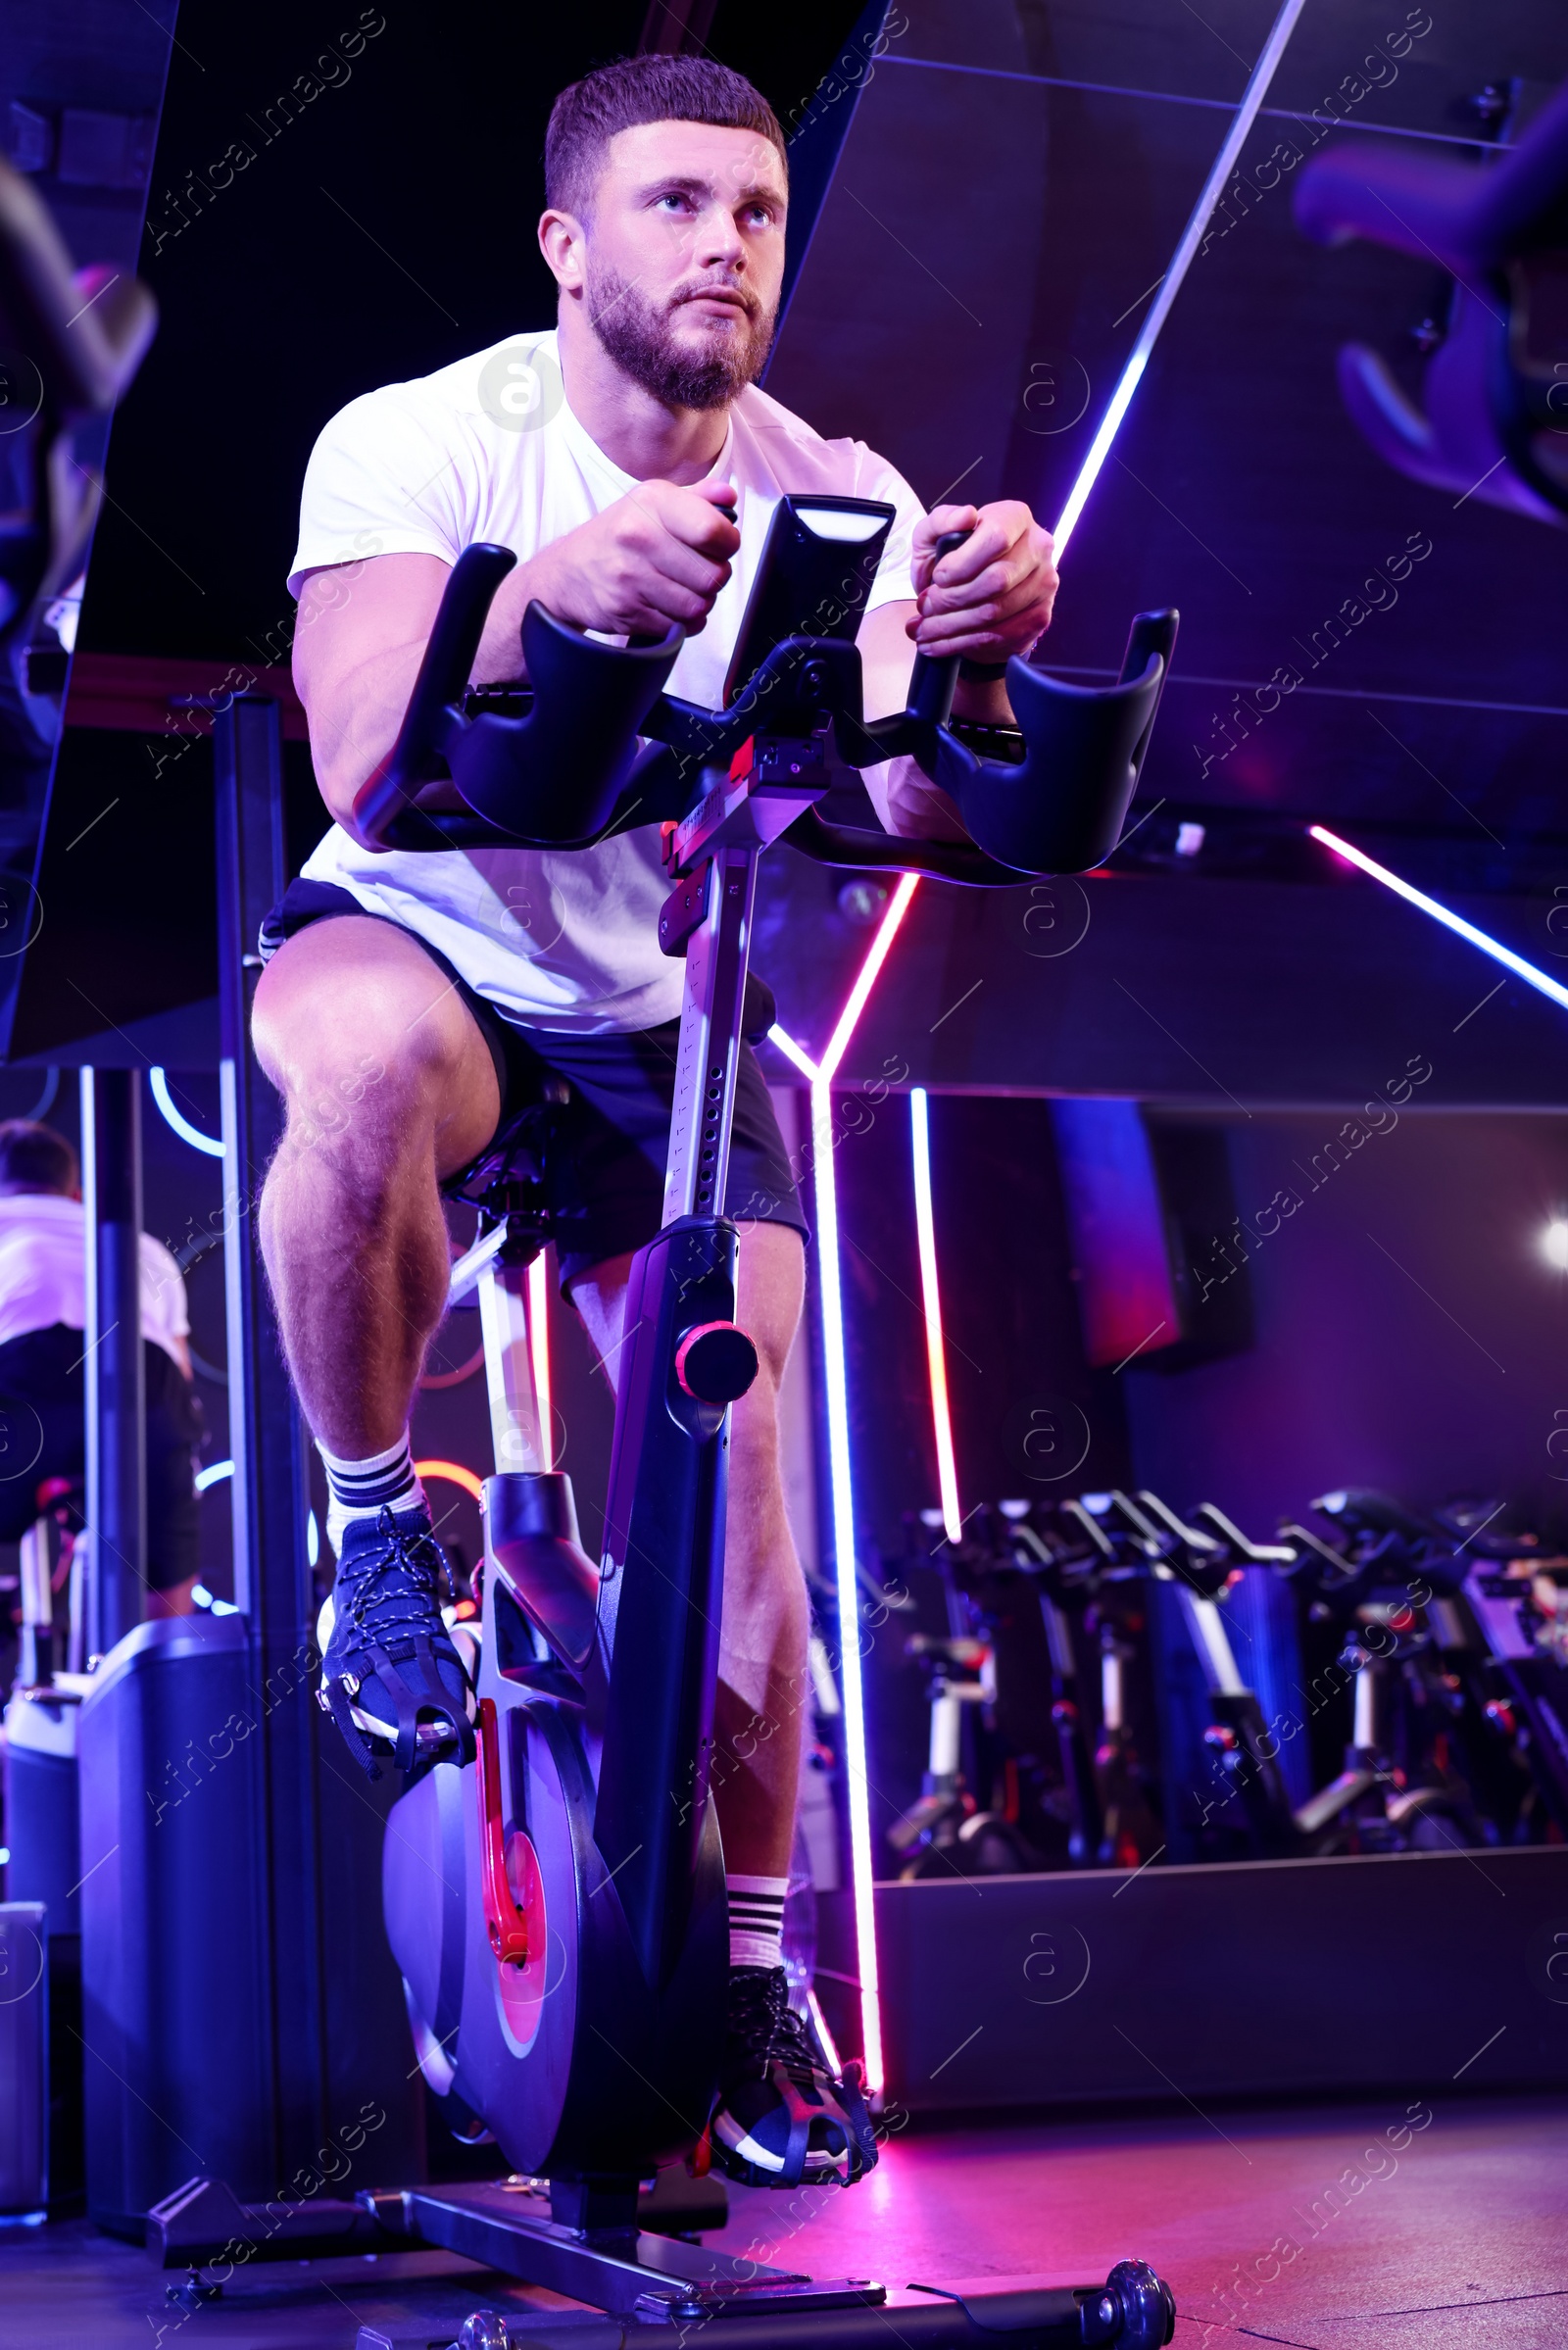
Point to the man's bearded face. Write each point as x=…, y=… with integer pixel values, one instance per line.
x=697, y=347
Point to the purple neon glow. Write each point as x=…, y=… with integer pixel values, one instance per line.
x=936, y=1352
x=841, y=1480
x=1498, y=953
x=1170, y=286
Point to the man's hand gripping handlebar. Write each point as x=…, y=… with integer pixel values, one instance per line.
x=600, y=746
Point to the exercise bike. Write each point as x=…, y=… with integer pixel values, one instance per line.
x=557, y=1908
x=977, y=1813
x=1435, y=1705
x=1027, y=1612
x=1390, y=1637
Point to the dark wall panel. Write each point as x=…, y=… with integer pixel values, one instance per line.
x=1029, y=1416
x=1173, y=987
x=1409, y=1331
x=1014, y=1349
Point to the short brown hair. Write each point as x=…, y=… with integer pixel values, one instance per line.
x=34, y=1158
x=586, y=117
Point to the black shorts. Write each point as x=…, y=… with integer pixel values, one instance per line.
x=602, y=1148
x=43, y=1425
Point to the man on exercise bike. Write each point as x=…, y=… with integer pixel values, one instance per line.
x=412, y=1003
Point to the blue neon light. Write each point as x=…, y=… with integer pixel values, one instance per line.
x=187, y=1133
x=1488, y=945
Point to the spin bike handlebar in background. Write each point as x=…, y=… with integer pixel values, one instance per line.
x=595, y=743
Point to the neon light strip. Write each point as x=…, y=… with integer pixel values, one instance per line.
x=1182, y=261
x=842, y=1492
x=539, y=1358
x=210, y=1145
x=936, y=1354
x=849, y=1017
x=840, y=1481
x=1498, y=953
x=791, y=1050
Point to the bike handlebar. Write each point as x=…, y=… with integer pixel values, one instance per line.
x=602, y=746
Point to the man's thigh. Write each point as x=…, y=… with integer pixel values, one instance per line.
x=769, y=1286
x=351, y=1008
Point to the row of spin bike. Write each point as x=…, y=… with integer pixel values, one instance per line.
x=1095, y=1694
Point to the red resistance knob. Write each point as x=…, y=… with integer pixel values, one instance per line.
x=716, y=1362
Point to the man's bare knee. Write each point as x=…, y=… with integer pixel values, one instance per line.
x=377, y=1055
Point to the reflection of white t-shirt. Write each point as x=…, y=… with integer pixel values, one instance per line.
x=556, y=939
x=43, y=1272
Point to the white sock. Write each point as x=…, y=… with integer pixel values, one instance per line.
x=363, y=1489
x=756, y=1920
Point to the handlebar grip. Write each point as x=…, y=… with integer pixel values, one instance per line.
x=417, y=755
x=932, y=681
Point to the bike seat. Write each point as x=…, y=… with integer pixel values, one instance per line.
x=512, y=1174
x=1494, y=419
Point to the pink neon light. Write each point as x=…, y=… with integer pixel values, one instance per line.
x=936, y=1354
x=454, y=1472
x=839, y=1475
x=538, y=1304
x=849, y=1017
x=791, y=1050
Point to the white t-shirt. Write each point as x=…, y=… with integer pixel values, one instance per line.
x=43, y=1272
x=562, y=939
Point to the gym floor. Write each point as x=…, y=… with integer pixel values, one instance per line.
x=1442, y=2227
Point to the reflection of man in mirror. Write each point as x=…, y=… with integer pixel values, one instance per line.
x=43, y=1316
x=415, y=1003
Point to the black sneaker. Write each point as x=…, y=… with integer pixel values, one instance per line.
x=781, y=2118
x=390, y=1670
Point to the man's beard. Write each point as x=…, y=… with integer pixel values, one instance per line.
x=636, y=333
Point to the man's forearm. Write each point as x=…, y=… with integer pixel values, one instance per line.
x=349, y=744
x=538, y=580
x=500, y=656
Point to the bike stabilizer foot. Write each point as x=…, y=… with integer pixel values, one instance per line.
x=1133, y=2310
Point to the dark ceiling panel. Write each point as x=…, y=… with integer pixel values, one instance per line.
x=1138, y=44
x=939, y=320
x=909, y=325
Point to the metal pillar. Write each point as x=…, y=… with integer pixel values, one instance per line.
x=117, y=1387
x=270, y=1493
